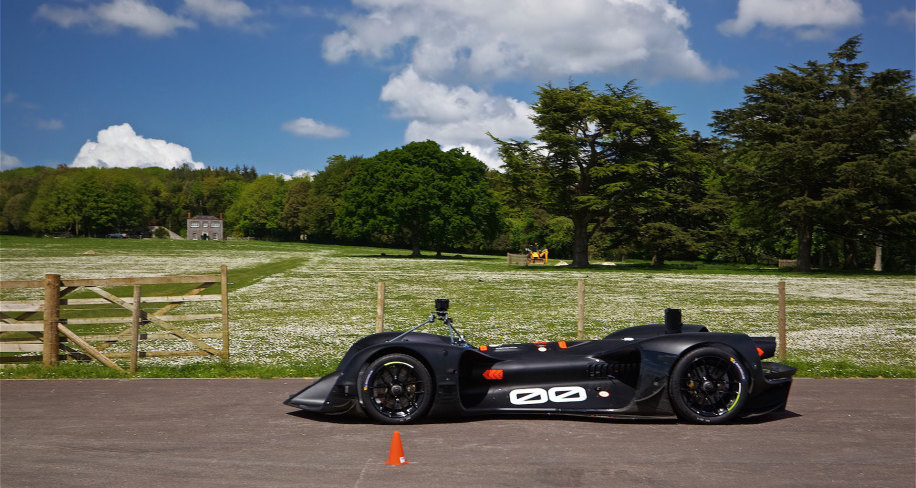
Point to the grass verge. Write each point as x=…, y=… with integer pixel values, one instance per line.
x=295, y=308
x=203, y=369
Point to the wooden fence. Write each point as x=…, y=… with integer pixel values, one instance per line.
x=21, y=333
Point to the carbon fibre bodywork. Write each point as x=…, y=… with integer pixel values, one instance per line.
x=627, y=373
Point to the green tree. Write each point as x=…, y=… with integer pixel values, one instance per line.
x=421, y=195
x=18, y=189
x=597, y=156
x=296, y=204
x=319, y=218
x=115, y=200
x=257, y=212
x=873, y=199
x=672, y=213
x=807, y=142
x=60, y=204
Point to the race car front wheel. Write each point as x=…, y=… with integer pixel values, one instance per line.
x=708, y=386
x=395, y=389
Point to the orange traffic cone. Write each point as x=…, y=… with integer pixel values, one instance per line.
x=396, y=454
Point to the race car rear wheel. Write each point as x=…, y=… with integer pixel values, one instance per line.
x=395, y=389
x=708, y=386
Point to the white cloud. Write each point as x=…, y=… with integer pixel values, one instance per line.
x=456, y=116
x=65, y=17
x=120, y=147
x=147, y=19
x=300, y=173
x=903, y=16
x=808, y=18
x=9, y=162
x=219, y=12
x=51, y=124
x=483, y=40
x=12, y=98
x=304, y=127
x=449, y=47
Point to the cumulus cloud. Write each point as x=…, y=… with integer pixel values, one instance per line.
x=234, y=14
x=305, y=127
x=119, y=146
x=512, y=38
x=51, y=124
x=9, y=162
x=65, y=17
x=456, y=116
x=220, y=12
x=147, y=19
x=300, y=173
x=904, y=17
x=807, y=18
x=450, y=47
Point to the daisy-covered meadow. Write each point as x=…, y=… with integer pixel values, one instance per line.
x=303, y=304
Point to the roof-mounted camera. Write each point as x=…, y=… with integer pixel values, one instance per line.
x=441, y=313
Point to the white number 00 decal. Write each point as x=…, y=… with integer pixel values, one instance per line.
x=557, y=394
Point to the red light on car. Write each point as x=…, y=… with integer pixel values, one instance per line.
x=493, y=374
x=760, y=352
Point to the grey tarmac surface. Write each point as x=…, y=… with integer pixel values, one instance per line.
x=236, y=433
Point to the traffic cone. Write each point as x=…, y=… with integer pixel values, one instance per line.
x=396, y=454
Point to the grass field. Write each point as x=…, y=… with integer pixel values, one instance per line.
x=295, y=308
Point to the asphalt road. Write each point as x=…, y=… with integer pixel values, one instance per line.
x=236, y=433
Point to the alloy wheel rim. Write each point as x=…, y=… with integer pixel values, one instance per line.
x=711, y=386
x=397, y=390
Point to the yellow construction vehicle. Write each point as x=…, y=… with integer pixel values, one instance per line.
x=536, y=255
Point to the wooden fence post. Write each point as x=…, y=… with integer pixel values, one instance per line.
x=50, y=340
x=135, y=330
x=224, y=308
x=380, y=308
x=580, y=335
x=782, y=320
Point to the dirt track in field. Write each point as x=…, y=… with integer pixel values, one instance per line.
x=236, y=432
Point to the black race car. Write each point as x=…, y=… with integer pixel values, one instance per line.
x=656, y=370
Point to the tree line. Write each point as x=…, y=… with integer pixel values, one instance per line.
x=818, y=163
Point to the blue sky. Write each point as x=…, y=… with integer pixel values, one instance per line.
x=282, y=85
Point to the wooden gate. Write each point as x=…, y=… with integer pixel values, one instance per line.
x=54, y=337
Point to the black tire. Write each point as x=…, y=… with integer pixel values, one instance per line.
x=395, y=389
x=708, y=386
